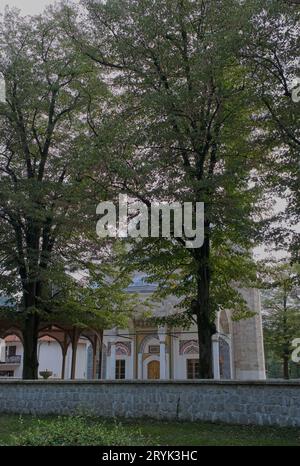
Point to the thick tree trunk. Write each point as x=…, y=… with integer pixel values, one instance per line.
x=30, y=343
x=205, y=348
x=202, y=311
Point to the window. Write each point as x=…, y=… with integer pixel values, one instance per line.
x=11, y=351
x=192, y=368
x=120, y=369
x=154, y=349
x=6, y=373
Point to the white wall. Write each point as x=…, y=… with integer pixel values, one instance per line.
x=2, y=350
x=50, y=357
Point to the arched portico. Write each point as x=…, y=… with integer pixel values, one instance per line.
x=67, y=337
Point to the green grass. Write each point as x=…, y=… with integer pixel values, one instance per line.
x=172, y=433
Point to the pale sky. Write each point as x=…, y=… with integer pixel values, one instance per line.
x=27, y=7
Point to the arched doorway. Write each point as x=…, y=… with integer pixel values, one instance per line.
x=153, y=370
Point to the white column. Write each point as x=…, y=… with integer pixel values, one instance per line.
x=112, y=360
x=162, y=360
x=176, y=357
x=216, y=357
x=140, y=366
x=2, y=350
x=162, y=344
x=168, y=366
x=131, y=361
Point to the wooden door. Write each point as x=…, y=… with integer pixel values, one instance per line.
x=153, y=370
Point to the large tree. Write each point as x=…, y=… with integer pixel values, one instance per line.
x=46, y=207
x=182, y=132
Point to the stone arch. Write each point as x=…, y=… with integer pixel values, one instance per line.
x=146, y=340
x=188, y=347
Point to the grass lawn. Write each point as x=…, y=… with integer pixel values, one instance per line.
x=173, y=433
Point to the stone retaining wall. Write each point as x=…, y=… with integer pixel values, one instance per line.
x=235, y=402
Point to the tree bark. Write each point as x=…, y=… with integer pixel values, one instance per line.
x=30, y=331
x=30, y=344
x=286, y=354
x=202, y=309
x=286, y=373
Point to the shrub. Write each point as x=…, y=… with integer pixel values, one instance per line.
x=79, y=430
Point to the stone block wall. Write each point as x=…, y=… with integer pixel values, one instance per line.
x=236, y=402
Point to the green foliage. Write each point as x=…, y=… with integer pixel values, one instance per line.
x=281, y=310
x=271, y=54
x=47, y=194
x=97, y=300
x=170, y=433
x=166, y=100
x=184, y=98
x=78, y=430
x=47, y=204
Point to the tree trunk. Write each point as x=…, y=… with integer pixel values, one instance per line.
x=286, y=354
x=286, y=374
x=202, y=311
x=30, y=344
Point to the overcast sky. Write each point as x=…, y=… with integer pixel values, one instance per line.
x=28, y=7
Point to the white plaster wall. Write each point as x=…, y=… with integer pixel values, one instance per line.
x=50, y=357
x=81, y=361
x=2, y=350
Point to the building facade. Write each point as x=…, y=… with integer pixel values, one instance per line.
x=144, y=351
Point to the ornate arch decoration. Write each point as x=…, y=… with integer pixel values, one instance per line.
x=123, y=348
x=188, y=347
x=146, y=340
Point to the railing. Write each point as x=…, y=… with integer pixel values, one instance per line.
x=12, y=360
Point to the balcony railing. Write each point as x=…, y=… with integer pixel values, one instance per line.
x=12, y=360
